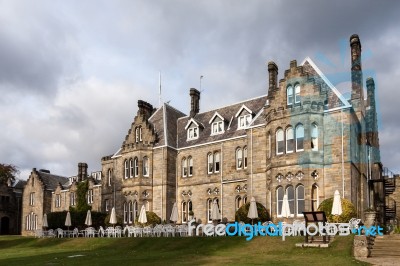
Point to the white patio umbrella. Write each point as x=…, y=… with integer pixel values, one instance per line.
x=88, y=220
x=337, y=204
x=142, y=216
x=285, y=207
x=45, y=224
x=113, y=216
x=253, y=213
x=215, y=211
x=174, y=213
x=68, y=220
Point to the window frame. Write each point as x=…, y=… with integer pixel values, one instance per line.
x=280, y=132
x=131, y=168
x=190, y=166
x=136, y=166
x=146, y=166
x=297, y=96
x=239, y=158
x=291, y=200
x=297, y=137
x=210, y=163
x=279, y=193
x=217, y=127
x=208, y=208
x=184, y=167
x=299, y=213
x=244, y=121
x=217, y=162
x=289, y=95
x=109, y=177
x=126, y=168
x=290, y=141
x=314, y=137
x=193, y=133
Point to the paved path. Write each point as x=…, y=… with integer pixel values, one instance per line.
x=386, y=251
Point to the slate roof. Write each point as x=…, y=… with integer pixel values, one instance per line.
x=230, y=127
x=51, y=181
x=335, y=98
x=19, y=184
x=164, y=121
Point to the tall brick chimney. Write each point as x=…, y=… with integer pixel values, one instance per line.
x=194, y=102
x=357, y=94
x=273, y=77
x=82, y=171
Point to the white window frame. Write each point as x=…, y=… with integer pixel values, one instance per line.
x=190, y=166
x=131, y=169
x=314, y=197
x=126, y=167
x=289, y=95
x=58, y=200
x=217, y=128
x=32, y=199
x=217, y=162
x=245, y=161
x=300, y=214
x=297, y=97
x=292, y=203
x=109, y=177
x=184, y=167
x=107, y=205
x=146, y=167
x=209, y=206
x=184, y=212
x=72, y=198
x=290, y=137
x=136, y=165
x=210, y=163
x=314, y=137
x=279, y=133
x=239, y=159
x=125, y=213
x=238, y=202
x=135, y=210
x=130, y=212
x=244, y=121
x=90, y=196
x=297, y=135
x=193, y=133
x=279, y=200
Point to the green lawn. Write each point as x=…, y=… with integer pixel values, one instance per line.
x=16, y=250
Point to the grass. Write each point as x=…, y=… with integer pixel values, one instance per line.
x=17, y=250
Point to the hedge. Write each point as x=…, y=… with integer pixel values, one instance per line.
x=57, y=219
x=241, y=214
x=347, y=207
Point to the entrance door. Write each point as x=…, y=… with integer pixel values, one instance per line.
x=5, y=226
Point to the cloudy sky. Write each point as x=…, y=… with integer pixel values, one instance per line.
x=71, y=72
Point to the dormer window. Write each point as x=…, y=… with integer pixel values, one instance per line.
x=217, y=127
x=193, y=133
x=217, y=124
x=192, y=128
x=244, y=116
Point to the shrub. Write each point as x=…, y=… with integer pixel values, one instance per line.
x=241, y=214
x=57, y=219
x=152, y=218
x=107, y=220
x=348, y=211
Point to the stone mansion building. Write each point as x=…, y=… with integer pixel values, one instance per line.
x=303, y=138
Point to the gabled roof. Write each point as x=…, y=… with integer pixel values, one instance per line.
x=335, y=98
x=241, y=109
x=51, y=181
x=229, y=112
x=213, y=117
x=164, y=121
x=194, y=122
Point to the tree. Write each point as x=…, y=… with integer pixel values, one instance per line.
x=7, y=172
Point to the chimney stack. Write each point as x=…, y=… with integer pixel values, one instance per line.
x=145, y=109
x=273, y=77
x=356, y=70
x=194, y=102
x=82, y=171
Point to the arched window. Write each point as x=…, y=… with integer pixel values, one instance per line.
x=289, y=94
x=184, y=212
x=184, y=167
x=109, y=177
x=314, y=137
x=125, y=212
x=126, y=169
x=245, y=157
x=209, y=205
x=299, y=137
x=300, y=206
x=238, y=202
x=131, y=168
x=239, y=158
x=216, y=162
x=290, y=196
x=130, y=212
x=210, y=163
x=136, y=165
x=145, y=166
x=244, y=199
x=135, y=211
x=190, y=207
x=314, y=197
x=289, y=140
x=280, y=144
x=140, y=133
x=190, y=162
x=279, y=201
x=297, y=93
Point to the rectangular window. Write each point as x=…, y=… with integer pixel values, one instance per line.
x=244, y=121
x=216, y=160
x=72, y=198
x=297, y=94
x=210, y=163
x=217, y=127
x=58, y=200
x=193, y=133
x=90, y=196
x=190, y=166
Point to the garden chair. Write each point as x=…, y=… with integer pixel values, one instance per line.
x=38, y=233
x=51, y=233
x=59, y=233
x=100, y=233
x=109, y=231
x=137, y=231
x=158, y=230
x=147, y=231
